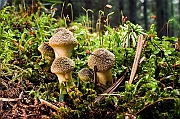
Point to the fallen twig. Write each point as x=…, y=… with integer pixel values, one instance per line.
x=43, y=102
x=9, y=99
x=137, y=57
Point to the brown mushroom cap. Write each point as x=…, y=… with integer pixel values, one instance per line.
x=58, y=29
x=102, y=58
x=44, y=48
x=85, y=74
x=62, y=36
x=62, y=65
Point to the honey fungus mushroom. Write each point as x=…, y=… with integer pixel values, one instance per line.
x=62, y=67
x=85, y=74
x=46, y=50
x=104, y=60
x=62, y=42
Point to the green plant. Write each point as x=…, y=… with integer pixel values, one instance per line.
x=155, y=89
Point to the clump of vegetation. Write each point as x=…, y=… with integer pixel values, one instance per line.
x=26, y=77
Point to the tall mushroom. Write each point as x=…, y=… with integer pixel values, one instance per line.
x=63, y=42
x=62, y=67
x=85, y=74
x=104, y=60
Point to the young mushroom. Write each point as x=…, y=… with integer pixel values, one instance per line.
x=62, y=67
x=85, y=74
x=104, y=60
x=63, y=42
x=46, y=51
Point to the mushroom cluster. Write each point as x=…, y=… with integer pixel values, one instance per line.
x=62, y=43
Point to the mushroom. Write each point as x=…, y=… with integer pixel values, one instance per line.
x=62, y=42
x=104, y=60
x=62, y=67
x=85, y=74
x=46, y=51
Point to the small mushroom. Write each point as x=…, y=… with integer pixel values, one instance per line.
x=62, y=42
x=85, y=74
x=104, y=60
x=62, y=67
x=46, y=50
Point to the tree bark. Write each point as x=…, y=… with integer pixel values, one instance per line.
x=121, y=8
x=145, y=14
x=172, y=24
x=88, y=4
x=121, y=5
x=179, y=11
x=161, y=17
x=133, y=11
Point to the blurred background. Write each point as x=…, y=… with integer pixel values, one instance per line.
x=164, y=13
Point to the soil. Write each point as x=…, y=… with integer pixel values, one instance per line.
x=16, y=103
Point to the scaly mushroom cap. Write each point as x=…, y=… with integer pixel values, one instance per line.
x=62, y=65
x=102, y=58
x=61, y=37
x=45, y=49
x=58, y=29
x=85, y=74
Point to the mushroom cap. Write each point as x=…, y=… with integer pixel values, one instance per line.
x=58, y=29
x=44, y=48
x=62, y=65
x=102, y=58
x=61, y=37
x=85, y=74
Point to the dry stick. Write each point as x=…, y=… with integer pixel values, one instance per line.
x=48, y=104
x=137, y=57
x=9, y=99
x=111, y=89
x=12, y=99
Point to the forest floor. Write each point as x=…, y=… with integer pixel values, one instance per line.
x=15, y=103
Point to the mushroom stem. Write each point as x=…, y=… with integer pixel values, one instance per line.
x=62, y=79
x=63, y=51
x=104, y=77
x=61, y=89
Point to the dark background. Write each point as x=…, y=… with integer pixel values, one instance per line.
x=137, y=11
